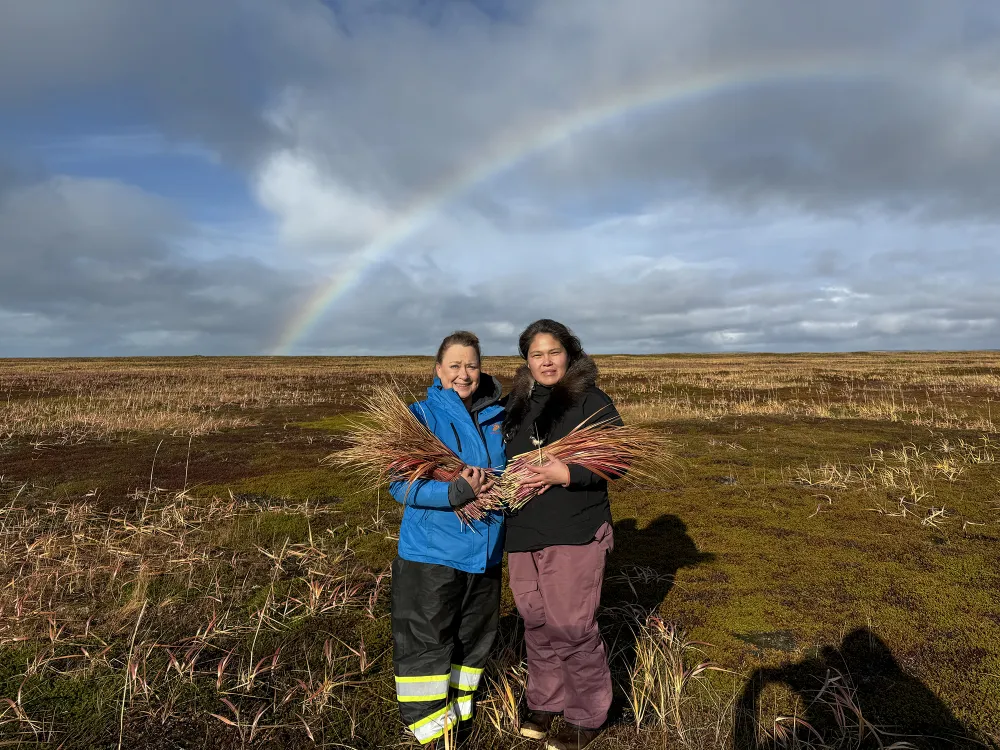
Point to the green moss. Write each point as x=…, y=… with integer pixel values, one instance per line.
x=85, y=707
x=13, y=662
x=75, y=489
x=270, y=530
x=335, y=423
x=738, y=547
x=375, y=550
x=299, y=484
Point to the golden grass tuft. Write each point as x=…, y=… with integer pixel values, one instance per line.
x=388, y=443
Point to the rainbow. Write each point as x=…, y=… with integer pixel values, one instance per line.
x=506, y=153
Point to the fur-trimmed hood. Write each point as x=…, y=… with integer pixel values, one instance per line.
x=579, y=378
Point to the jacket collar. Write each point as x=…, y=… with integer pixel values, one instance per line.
x=487, y=394
x=579, y=377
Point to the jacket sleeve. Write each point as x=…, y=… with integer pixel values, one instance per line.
x=423, y=493
x=597, y=407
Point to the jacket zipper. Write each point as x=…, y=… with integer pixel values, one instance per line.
x=457, y=438
x=482, y=436
x=489, y=462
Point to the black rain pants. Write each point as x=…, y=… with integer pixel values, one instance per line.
x=444, y=622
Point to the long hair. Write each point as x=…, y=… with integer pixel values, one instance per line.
x=581, y=373
x=562, y=334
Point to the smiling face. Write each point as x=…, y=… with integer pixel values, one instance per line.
x=547, y=359
x=458, y=370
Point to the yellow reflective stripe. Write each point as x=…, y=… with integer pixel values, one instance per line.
x=429, y=719
x=413, y=689
x=465, y=707
x=431, y=737
x=465, y=678
x=420, y=698
x=435, y=725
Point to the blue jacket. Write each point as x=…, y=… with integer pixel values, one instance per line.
x=430, y=531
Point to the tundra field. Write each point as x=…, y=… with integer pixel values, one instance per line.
x=181, y=570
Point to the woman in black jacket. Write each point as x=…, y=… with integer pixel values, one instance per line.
x=557, y=543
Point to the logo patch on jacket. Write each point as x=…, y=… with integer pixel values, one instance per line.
x=496, y=428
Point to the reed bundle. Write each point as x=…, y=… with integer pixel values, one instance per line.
x=388, y=443
x=611, y=451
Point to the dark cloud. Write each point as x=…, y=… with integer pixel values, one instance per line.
x=392, y=97
x=696, y=309
x=895, y=110
x=344, y=116
x=200, y=70
x=97, y=267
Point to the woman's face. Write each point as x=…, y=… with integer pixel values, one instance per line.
x=547, y=359
x=459, y=370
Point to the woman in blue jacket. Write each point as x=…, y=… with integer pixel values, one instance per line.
x=446, y=577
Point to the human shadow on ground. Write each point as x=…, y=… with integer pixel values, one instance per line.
x=642, y=568
x=861, y=672
x=640, y=574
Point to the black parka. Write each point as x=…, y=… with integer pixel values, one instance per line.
x=562, y=515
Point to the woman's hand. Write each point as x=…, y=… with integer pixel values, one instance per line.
x=480, y=480
x=553, y=471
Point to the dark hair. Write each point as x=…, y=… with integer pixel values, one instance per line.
x=462, y=338
x=558, y=331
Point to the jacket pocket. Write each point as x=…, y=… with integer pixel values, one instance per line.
x=449, y=543
x=413, y=532
x=528, y=600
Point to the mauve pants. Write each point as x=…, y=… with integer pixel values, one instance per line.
x=557, y=590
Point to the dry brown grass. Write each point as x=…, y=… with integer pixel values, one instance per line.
x=144, y=601
x=268, y=618
x=77, y=399
x=901, y=481
x=933, y=390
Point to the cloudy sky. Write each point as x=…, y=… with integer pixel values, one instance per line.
x=364, y=176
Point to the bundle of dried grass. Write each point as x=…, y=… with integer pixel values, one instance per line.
x=388, y=444
x=611, y=451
